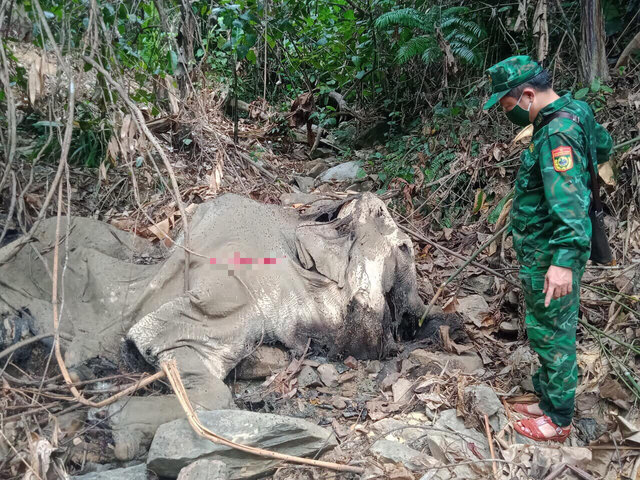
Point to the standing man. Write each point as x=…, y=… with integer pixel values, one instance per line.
x=551, y=230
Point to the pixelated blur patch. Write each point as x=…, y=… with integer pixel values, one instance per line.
x=562, y=159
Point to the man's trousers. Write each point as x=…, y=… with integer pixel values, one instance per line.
x=552, y=335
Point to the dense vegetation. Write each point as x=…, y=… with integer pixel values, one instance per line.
x=413, y=70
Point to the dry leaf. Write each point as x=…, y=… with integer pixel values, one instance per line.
x=161, y=230
x=525, y=134
x=606, y=173
x=173, y=95
x=216, y=177
x=113, y=148
x=449, y=345
x=451, y=305
x=35, y=81
x=103, y=171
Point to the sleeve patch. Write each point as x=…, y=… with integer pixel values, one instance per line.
x=562, y=159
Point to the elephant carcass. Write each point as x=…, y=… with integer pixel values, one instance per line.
x=265, y=275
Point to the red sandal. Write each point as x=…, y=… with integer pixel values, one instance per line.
x=534, y=433
x=523, y=409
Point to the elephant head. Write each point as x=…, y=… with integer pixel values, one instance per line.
x=372, y=262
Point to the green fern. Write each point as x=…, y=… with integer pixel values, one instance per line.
x=461, y=34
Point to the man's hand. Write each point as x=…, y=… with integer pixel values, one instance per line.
x=557, y=283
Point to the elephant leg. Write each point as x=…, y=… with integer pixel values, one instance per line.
x=205, y=389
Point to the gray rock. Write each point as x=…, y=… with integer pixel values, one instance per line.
x=329, y=375
x=468, y=362
x=176, y=445
x=134, y=420
x=315, y=168
x=527, y=385
x=444, y=446
x=474, y=307
x=374, y=366
x=205, y=470
x=342, y=173
x=365, y=186
x=395, y=452
x=289, y=199
x=139, y=472
x=480, y=283
x=262, y=363
x=305, y=184
x=392, y=428
x=484, y=399
x=321, y=153
x=308, y=377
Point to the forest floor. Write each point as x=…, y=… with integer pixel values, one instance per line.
x=420, y=414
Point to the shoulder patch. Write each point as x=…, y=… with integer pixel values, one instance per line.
x=531, y=147
x=562, y=159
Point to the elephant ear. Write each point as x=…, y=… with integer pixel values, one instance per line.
x=325, y=247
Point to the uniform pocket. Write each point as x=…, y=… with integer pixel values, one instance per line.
x=526, y=170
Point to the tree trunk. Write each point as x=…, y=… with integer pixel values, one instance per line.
x=593, y=57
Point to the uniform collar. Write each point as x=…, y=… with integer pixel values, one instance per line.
x=552, y=108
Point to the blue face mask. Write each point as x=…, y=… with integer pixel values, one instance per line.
x=519, y=115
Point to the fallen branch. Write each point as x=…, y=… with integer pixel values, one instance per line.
x=459, y=270
x=487, y=429
x=171, y=370
x=29, y=341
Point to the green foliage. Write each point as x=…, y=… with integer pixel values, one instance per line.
x=440, y=30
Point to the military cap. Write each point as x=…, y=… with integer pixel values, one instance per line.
x=508, y=74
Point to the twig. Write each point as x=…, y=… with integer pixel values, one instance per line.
x=12, y=206
x=459, y=270
x=487, y=429
x=171, y=370
x=29, y=341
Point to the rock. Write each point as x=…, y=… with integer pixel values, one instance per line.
x=314, y=168
x=329, y=375
x=289, y=199
x=474, y=307
x=205, y=470
x=176, y=445
x=389, y=380
x=395, y=452
x=485, y=401
x=342, y=172
x=480, y=283
x=402, y=390
x=396, y=430
x=134, y=420
x=468, y=362
x=308, y=377
x=139, y=472
x=374, y=366
x=527, y=385
x=339, y=403
x=365, y=186
x=305, y=184
x=351, y=362
x=509, y=327
x=444, y=446
x=321, y=153
x=261, y=364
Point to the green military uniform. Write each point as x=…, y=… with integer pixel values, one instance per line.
x=551, y=226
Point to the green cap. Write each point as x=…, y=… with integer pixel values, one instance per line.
x=508, y=74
